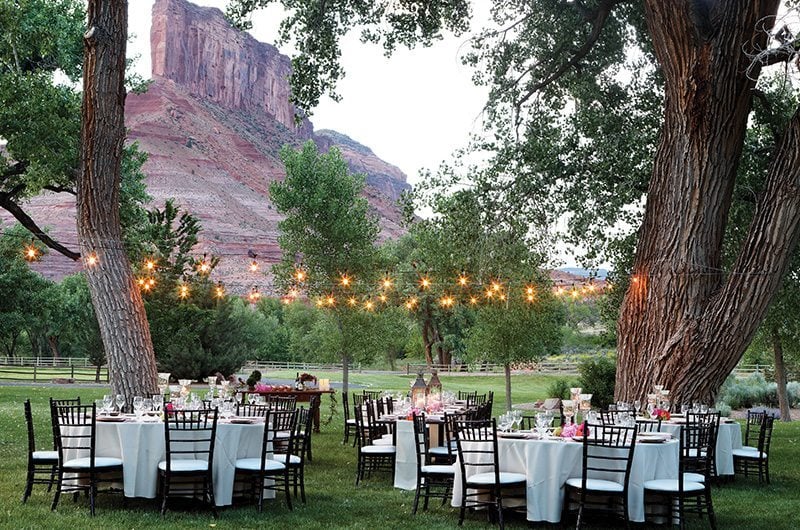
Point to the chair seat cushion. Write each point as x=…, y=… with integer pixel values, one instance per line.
x=439, y=469
x=748, y=452
x=596, y=484
x=671, y=485
x=99, y=461
x=282, y=435
x=439, y=451
x=254, y=464
x=293, y=459
x=182, y=465
x=383, y=440
x=351, y=421
x=484, y=479
x=693, y=477
x=45, y=455
x=379, y=449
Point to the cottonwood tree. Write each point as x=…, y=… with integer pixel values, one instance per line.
x=115, y=295
x=328, y=233
x=581, y=136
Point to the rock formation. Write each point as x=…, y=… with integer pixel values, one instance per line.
x=212, y=123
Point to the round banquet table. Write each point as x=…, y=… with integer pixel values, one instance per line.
x=548, y=464
x=728, y=439
x=140, y=445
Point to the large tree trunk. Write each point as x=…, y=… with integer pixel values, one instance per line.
x=684, y=323
x=115, y=296
x=780, y=376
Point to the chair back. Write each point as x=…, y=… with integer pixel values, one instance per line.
x=368, y=430
x=74, y=431
x=422, y=442
x=255, y=410
x=607, y=453
x=710, y=418
x=765, y=433
x=280, y=430
x=358, y=400
x=282, y=402
x=29, y=425
x=190, y=434
x=302, y=433
x=384, y=405
x=696, y=450
x=611, y=417
x=64, y=402
x=372, y=394
x=345, y=406
x=476, y=441
x=752, y=430
x=469, y=397
x=646, y=425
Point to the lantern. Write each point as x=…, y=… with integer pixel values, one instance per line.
x=419, y=391
x=435, y=387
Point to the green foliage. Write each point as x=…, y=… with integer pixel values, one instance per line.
x=559, y=388
x=754, y=390
x=597, y=375
x=253, y=378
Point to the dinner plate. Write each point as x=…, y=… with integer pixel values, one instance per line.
x=513, y=434
x=111, y=419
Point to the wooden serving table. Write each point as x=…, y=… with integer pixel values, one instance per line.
x=303, y=396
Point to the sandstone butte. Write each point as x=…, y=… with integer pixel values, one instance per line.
x=212, y=123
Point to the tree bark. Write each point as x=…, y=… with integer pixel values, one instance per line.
x=684, y=323
x=115, y=296
x=507, y=369
x=780, y=376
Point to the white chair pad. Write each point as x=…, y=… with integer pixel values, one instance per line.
x=351, y=421
x=485, y=479
x=379, y=449
x=45, y=455
x=671, y=485
x=748, y=452
x=282, y=435
x=443, y=470
x=293, y=459
x=693, y=453
x=254, y=464
x=181, y=465
x=596, y=484
x=383, y=441
x=439, y=451
x=693, y=477
x=99, y=461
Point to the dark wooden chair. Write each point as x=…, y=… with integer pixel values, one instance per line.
x=258, y=469
x=349, y=422
x=482, y=482
x=281, y=402
x=605, y=472
x=673, y=494
x=79, y=469
x=189, y=437
x=755, y=457
x=42, y=464
x=371, y=456
x=434, y=481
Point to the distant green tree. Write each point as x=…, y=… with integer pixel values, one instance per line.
x=329, y=231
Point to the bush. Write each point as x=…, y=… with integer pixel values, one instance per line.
x=559, y=389
x=748, y=392
x=597, y=376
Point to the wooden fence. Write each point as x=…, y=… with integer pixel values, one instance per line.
x=53, y=374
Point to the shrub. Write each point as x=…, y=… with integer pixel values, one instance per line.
x=597, y=376
x=254, y=378
x=754, y=390
x=559, y=388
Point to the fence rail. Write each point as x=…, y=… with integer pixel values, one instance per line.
x=265, y=366
x=54, y=374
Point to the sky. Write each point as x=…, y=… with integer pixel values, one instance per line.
x=413, y=109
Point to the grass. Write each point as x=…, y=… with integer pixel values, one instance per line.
x=333, y=500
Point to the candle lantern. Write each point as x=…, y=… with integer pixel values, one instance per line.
x=163, y=381
x=435, y=387
x=419, y=392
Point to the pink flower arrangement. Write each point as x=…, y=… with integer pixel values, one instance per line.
x=261, y=387
x=661, y=414
x=435, y=406
x=569, y=430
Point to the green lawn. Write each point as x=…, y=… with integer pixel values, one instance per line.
x=333, y=500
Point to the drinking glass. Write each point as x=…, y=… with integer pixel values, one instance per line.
x=138, y=406
x=703, y=408
x=158, y=402
x=658, y=388
x=684, y=408
x=252, y=398
x=147, y=405
x=99, y=406
x=569, y=409
x=638, y=406
x=120, y=401
x=541, y=424
x=227, y=409
x=108, y=400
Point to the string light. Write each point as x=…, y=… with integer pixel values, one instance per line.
x=463, y=280
x=495, y=286
x=387, y=283
x=424, y=282
x=254, y=295
x=219, y=291
x=300, y=275
x=183, y=291
x=411, y=303
x=446, y=301
x=489, y=293
x=473, y=300
x=203, y=267
x=293, y=293
x=345, y=281
x=31, y=253
x=91, y=259
x=150, y=265
x=383, y=298
x=352, y=301
x=254, y=266
x=331, y=301
x=369, y=305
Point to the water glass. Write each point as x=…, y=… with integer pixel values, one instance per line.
x=99, y=406
x=138, y=406
x=108, y=400
x=158, y=402
x=120, y=402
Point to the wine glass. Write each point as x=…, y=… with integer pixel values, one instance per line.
x=108, y=400
x=158, y=402
x=252, y=398
x=685, y=408
x=120, y=402
x=637, y=405
x=99, y=406
x=541, y=424
x=569, y=409
x=138, y=406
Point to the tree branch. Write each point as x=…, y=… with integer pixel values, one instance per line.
x=7, y=203
x=59, y=189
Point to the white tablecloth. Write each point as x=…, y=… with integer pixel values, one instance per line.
x=405, y=463
x=728, y=439
x=141, y=447
x=549, y=463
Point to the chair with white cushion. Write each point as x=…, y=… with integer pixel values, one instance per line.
x=606, y=470
x=371, y=456
x=483, y=485
x=75, y=431
x=447, y=452
x=434, y=481
x=272, y=464
x=755, y=456
x=189, y=437
x=710, y=418
x=41, y=464
x=349, y=423
x=690, y=492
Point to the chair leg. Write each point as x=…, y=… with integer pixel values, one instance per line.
x=57, y=496
x=286, y=489
x=165, y=494
x=28, y=486
x=416, y=497
x=209, y=486
x=303, y=484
